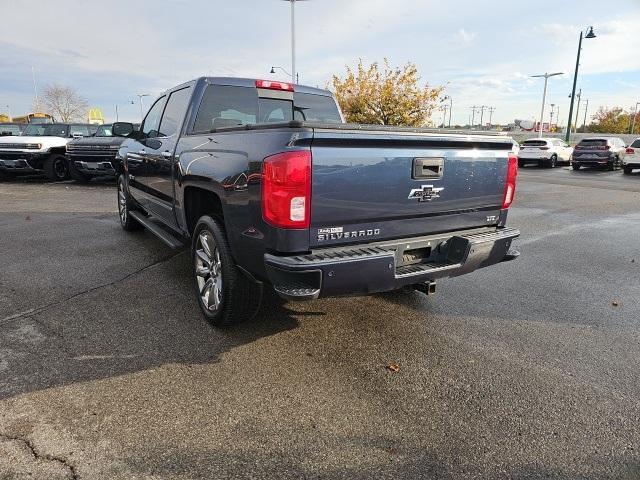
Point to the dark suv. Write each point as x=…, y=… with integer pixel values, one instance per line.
x=94, y=156
x=601, y=152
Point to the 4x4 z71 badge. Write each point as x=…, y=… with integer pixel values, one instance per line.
x=425, y=193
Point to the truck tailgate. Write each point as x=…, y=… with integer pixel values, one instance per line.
x=371, y=186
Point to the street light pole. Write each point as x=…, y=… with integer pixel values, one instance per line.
x=551, y=115
x=590, y=34
x=293, y=39
x=491, y=110
x=544, y=97
x=140, y=95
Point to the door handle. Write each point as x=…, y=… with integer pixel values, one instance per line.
x=427, y=168
x=166, y=154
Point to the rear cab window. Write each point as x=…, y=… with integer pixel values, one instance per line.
x=534, y=143
x=592, y=143
x=227, y=106
x=635, y=144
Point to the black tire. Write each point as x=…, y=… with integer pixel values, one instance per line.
x=520, y=164
x=4, y=176
x=56, y=168
x=627, y=170
x=611, y=166
x=238, y=298
x=77, y=175
x=553, y=161
x=575, y=166
x=126, y=205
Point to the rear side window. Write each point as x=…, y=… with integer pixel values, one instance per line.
x=534, y=143
x=636, y=143
x=174, y=112
x=225, y=106
x=592, y=143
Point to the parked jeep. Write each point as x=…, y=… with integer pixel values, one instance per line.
x=40, y=148
x=95, y=156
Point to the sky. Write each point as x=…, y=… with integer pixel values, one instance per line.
x=483, y=52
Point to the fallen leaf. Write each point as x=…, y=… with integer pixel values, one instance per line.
x=394, y=367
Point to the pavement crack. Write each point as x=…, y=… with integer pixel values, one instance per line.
x=36, y=310
x=42, y=456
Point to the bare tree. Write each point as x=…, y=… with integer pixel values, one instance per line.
x=64, y=103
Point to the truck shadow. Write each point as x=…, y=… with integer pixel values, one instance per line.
x=147, y=320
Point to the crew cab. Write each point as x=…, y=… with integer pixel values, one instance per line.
x=96, y=155
x=631, y=159
x=272, y=190
x=40, y=148
x=602, y=152
x=544, y=152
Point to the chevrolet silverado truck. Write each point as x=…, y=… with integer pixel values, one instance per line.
x=40, y=148
x=96, y=155
x=272, y=190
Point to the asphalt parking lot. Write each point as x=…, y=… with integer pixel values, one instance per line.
x=528, y=369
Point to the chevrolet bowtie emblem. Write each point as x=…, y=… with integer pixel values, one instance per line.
x=425, y=193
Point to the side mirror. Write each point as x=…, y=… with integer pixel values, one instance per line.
x=122, y=129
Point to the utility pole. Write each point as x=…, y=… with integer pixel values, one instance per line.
x=575, y=125
x=140, y=95
x=36, y=102
x=473, y=115
x=584, y=123
x=551, y=116
x=482, y=109
x=633, y=124
x=491, y=110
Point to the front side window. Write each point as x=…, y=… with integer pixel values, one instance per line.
x=104, y=131
x=174, y=113
x=79, y=130
x=151, y=123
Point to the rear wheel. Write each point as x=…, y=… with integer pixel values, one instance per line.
x=553, y=161
x=125, y=205
x=575, y=166
x=225, y=295
x=5, y=176
x=520, y=164
x=56, y=168
x=627, y=170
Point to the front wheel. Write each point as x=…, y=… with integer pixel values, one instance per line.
x=225, y=295
x=553, y=161
x=575, y=166
x=627, y=170
x=56, y=168
x=127, y=222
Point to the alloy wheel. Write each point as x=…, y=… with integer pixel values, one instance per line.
x=208, y=271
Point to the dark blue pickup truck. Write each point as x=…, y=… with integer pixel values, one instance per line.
x=270, y=187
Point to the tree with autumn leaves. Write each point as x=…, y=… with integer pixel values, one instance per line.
x=613, y=120
x=385, y=95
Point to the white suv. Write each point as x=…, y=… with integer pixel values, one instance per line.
x=631, y=160
x=545, y=152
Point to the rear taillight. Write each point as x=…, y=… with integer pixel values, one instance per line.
x=286, y=189
x=510, y=186
x=270, y=85
x=630, y=151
